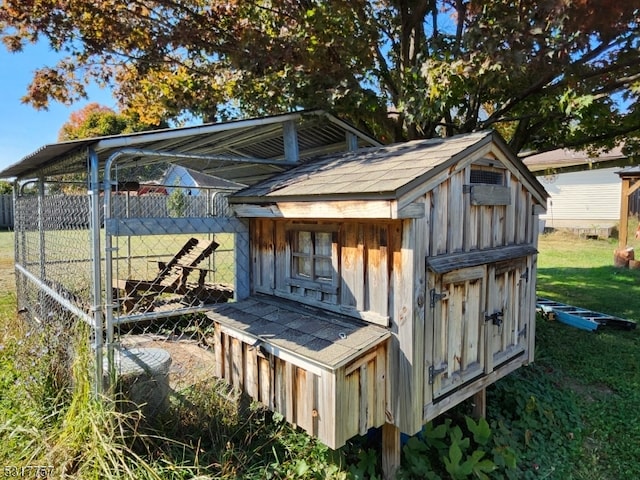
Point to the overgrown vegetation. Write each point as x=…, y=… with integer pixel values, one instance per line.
x=574, y=414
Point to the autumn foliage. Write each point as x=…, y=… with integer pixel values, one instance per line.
x=545, y=73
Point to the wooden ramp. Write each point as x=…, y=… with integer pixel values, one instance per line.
x=581, y=318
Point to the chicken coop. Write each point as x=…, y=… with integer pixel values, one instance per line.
x=344, y=284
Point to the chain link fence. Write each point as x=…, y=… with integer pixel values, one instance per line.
x=167, y=251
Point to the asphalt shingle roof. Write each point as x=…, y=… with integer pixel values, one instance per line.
x=378, y=171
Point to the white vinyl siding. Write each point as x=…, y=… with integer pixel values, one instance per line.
x=582, y=199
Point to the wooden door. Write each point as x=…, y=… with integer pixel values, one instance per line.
x=458, y=304
x=508, y=303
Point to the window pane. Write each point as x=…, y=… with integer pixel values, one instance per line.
x=302, y=266
x=304, y=242
x=323, y=243
x=323, y=269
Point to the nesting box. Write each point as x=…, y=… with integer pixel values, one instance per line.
x=387, y=284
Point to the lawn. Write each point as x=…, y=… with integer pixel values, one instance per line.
x=602, y=369
x=573, y=414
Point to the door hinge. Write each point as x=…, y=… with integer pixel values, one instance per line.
x=495, y=318
x=434, y=372
x=435, y=296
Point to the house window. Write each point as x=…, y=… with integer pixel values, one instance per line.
x=311, y=255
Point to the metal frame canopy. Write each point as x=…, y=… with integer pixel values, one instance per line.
x=243, y=151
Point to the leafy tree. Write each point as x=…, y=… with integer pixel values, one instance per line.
x=95, y=120
x=6, y=188
x=546, y=73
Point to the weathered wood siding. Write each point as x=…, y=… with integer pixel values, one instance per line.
x=362, y=260
x=444, y=348
x=333, y=406
x=479, y=319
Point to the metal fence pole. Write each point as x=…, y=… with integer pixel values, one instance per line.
x=96, y=305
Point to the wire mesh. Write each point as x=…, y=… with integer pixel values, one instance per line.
x=167, y=251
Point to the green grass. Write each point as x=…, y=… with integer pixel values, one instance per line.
x=602, y=369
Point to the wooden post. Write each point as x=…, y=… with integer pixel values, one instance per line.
x=479, y=400
x=624, y=213
x=390, y=451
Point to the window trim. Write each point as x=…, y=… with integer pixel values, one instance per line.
x=313, y=283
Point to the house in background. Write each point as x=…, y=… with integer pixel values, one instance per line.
x=177, y=175
x=204, y=192
x=584, y=191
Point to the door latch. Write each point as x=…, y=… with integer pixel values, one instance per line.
x=495, y=318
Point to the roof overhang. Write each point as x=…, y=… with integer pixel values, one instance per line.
x=243, y=151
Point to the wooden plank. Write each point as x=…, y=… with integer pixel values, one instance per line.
x=228, y=372
x=237, y=364
x=355, y=209
x=290, y=392
x=498, y=223
x=403, y=315
x=265, y=384
x=464, y=274
x=255, y=231
x=304, y=399
x=326, y=418
x=454, y=335
x=246, y=210
x=380, y=386
x=358, y=362
x=491, y=307
x=486, y=227
x=490, y=195
x=455, y=231
x=392, y=408
x=411, y=210
x=420, y=301
x=280, y=388
x=371, y=394
x=528, y=214
x=352, y=263
x=471, y=228
x=349, y=403
x=377, y=271
x=473, y=322
x=440, y=217
x=522, y=217
x=282, y=257
x=510, y=214
x=218, y=350
x=266, y=244
x=251, y=372
x=363, y=408
x=456, y=261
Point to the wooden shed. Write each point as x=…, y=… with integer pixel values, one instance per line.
x=388, y=284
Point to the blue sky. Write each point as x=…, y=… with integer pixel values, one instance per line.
x=24, y=129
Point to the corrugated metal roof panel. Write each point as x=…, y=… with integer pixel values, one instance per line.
x=243, y=151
